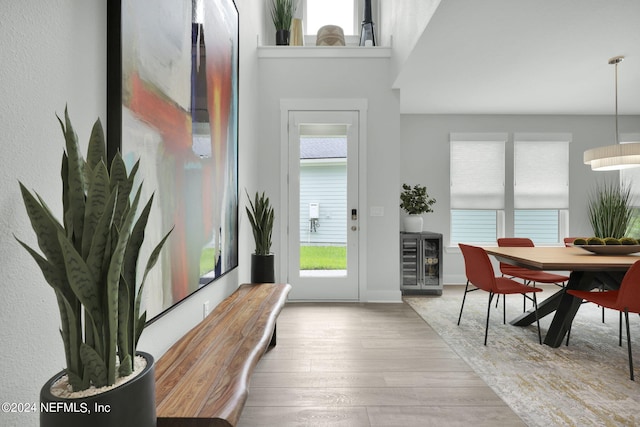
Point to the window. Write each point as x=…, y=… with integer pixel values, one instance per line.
x=540, y=183
x=477, y=187
x=540, y=186
x=318, y=13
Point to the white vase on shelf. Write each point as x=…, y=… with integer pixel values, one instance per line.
x=413, y=223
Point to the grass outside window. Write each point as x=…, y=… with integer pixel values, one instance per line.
x=323, y=258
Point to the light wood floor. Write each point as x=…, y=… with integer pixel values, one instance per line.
x=342, y=364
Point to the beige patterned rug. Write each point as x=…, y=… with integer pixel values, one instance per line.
x=584, y=384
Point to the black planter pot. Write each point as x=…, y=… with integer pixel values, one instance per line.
x=282, y=37
x=263, y=268
x=132, y=404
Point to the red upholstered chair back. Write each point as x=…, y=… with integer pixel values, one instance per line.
x=629, y=295
x=508, y=269
x=478, y=267
x=523, y=242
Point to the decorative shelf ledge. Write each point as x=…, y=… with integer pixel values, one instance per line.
x=323, y=52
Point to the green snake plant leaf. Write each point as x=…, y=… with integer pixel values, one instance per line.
x=74, y=180
x=82, y=282
x=129, y=271
x=151, y=262
x=100, y=243
x=125, y=340
x=113, y=281
x=126, y=366
x=133, y=248
x=94, y=366
x=45, y=227
x=120, y=179
x=97, y=198
x=53, y=274
x=97, y=150
x=71, y=337
x=142, y=320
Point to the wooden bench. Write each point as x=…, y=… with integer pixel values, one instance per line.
x=203, y=379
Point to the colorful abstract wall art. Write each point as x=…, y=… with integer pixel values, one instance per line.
x=178, y=106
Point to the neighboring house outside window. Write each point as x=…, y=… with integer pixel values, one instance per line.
x=323, y=197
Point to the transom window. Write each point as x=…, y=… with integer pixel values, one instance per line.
x=342, y=13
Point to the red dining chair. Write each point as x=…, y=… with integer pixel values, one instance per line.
x=528, y=276
x=480, y=274
x=626, y=300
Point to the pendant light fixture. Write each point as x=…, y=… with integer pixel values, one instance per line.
x=618, y=156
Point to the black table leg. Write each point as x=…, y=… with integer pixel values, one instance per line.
x=566, y=306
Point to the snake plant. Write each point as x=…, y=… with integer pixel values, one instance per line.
x=261, y=218
x=91, y=258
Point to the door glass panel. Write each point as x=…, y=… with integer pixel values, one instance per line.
x=323, y=201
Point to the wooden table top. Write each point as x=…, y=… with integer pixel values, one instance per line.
x=561, y=258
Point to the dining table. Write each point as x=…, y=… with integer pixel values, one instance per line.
x=587, y=271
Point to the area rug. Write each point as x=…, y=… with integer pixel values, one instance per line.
x=584, y=384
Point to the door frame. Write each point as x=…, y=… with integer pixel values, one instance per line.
x=324, y=104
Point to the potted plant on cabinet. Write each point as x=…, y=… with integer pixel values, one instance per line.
x=90, y=260
x=282, y=15
x=261, y=218
x=415, y=201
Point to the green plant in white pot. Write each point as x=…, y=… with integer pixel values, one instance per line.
x=90, y=259
x=415, y=201
x=261, y=217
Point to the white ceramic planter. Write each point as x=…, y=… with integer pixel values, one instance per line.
x=413, y=223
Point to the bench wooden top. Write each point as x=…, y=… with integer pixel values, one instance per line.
x=202, y=380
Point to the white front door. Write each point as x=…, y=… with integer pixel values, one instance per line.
x=323, y=213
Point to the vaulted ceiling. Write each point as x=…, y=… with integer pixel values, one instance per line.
x=524, y=57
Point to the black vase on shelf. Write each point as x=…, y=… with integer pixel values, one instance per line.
x=367, y=36
x=282, y=37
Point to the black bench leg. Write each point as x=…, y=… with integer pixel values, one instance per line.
x=273, y=337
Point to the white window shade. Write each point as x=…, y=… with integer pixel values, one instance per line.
x=541, y=174
x=477, y=173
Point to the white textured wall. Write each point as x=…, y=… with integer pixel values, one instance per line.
x=403, y=22
x=350, y=78
x=425, y=160
x=53, y=53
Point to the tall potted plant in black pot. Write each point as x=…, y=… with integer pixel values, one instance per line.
x=260, y=214
x=90, y=259
x=282, y=16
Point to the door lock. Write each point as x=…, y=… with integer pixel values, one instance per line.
x=354, y=214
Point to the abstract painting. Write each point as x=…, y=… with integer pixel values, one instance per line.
x=178, y=113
